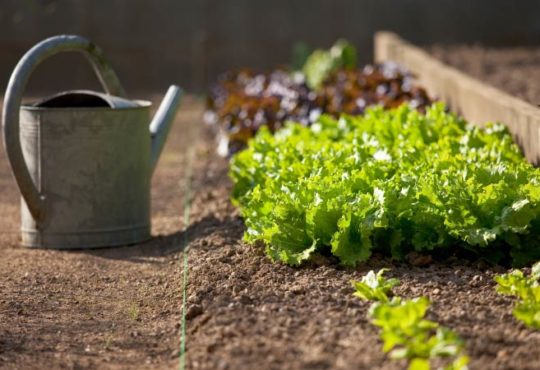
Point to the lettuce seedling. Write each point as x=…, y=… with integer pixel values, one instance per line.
x=374, y=287
x=527, y=290
x=405, y=331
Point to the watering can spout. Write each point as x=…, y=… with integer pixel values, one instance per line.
x=161, y=123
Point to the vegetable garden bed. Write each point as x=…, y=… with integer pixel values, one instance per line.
x=246, y=312
x=243, y=310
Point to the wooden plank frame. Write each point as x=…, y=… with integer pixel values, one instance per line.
x=477, y=101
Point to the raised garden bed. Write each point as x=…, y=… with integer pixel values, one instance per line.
x=510, y=69
x=476, y=101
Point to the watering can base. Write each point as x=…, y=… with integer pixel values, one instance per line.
x=85, y=240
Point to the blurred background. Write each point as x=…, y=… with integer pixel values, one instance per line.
x=152, y=43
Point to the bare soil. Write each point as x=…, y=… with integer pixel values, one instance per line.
x=511, y=69
x=121, y=307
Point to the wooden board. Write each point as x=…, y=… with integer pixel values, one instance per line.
x=477, y=101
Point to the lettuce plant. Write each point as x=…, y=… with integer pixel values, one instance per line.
x=392, y=181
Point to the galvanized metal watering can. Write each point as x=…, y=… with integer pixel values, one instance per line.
x=83, y=160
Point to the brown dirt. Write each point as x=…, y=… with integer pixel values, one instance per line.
x=513, y=69
x=120, y=307
x=109, y=308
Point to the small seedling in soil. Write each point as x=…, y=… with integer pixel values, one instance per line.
x=405, y=331
x=527, y=290
x=374, y=287
x=133, y=312
x=108, y=342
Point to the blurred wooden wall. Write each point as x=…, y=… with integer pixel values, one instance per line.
x=155, y=42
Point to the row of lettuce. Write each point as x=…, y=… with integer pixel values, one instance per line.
x=398, y=178
x=338, y=160
x=392, y=182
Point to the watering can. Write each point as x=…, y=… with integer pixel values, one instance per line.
x=83, y=160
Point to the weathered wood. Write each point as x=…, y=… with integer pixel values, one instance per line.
x=475, y=100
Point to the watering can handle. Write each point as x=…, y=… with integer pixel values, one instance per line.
x=13, y=97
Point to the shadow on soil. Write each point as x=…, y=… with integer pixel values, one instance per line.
x=166, y=245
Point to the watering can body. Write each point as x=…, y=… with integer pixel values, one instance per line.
x=83, y=160
x=93, y=167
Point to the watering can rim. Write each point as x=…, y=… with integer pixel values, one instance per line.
x=107, y=98
x=143, y=105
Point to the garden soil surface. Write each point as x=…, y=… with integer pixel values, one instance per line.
x=515, y=70
x=121, y=307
